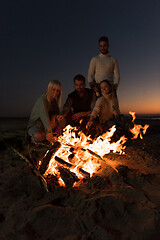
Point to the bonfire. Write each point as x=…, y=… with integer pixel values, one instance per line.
x=74, y=157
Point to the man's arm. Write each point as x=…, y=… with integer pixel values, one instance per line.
x=67, y=106
x=79, y=115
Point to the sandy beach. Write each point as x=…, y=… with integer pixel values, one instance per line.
x=123, y=205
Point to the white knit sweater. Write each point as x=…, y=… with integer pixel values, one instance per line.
x=104, y=67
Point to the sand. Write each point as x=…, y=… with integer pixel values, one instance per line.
x=108, y=206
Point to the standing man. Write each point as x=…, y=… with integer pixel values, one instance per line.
x=79, y=103
x=103, y=67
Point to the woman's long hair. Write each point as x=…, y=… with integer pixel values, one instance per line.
x=57, y=84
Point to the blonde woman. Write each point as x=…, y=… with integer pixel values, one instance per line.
x=45, y=116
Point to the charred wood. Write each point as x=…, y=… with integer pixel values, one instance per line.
x=52, y=182
x=46, y=159
x=64, y=163
x=71, y=157
x=84, y=173
x=61, y=161
x=68, y=177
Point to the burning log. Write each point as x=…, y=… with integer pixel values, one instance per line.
x=68, y=177
x=69, y=165
x=94, y=154
x=52, y=182
x=48, y=156
x=61, y=161
x=84, y=173
x=100, y=158
x=71, y=157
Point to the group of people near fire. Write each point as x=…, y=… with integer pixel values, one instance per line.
x=97, y=105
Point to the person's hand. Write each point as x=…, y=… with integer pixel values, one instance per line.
x=49, y=135
x=89, y=124
x=95, y=89
x=77, y=116
x=59, y=117
x=86, y=114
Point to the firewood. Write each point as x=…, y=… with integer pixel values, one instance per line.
x=46, y=159
x=71, y=157
x=52, y=182
x=84, y=173
x=81, y=171
x=68, y=177
x=64, y=163
x=61, y=161
x=104, y=159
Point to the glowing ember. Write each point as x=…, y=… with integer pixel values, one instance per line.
x=82, y=155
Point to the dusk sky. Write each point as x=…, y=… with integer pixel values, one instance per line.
x=55, y=39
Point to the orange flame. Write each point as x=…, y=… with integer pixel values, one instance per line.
x=137, y=129
x=88, y=154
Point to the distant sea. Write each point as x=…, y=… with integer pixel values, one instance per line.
x=12, y=124
x=148, y=116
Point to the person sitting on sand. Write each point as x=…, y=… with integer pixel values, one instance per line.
x=79, y=103
x=106, y=108
x=45, y=118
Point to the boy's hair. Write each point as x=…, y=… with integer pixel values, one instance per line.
x=79, y=77
x=57, y=84
x=103, y=38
